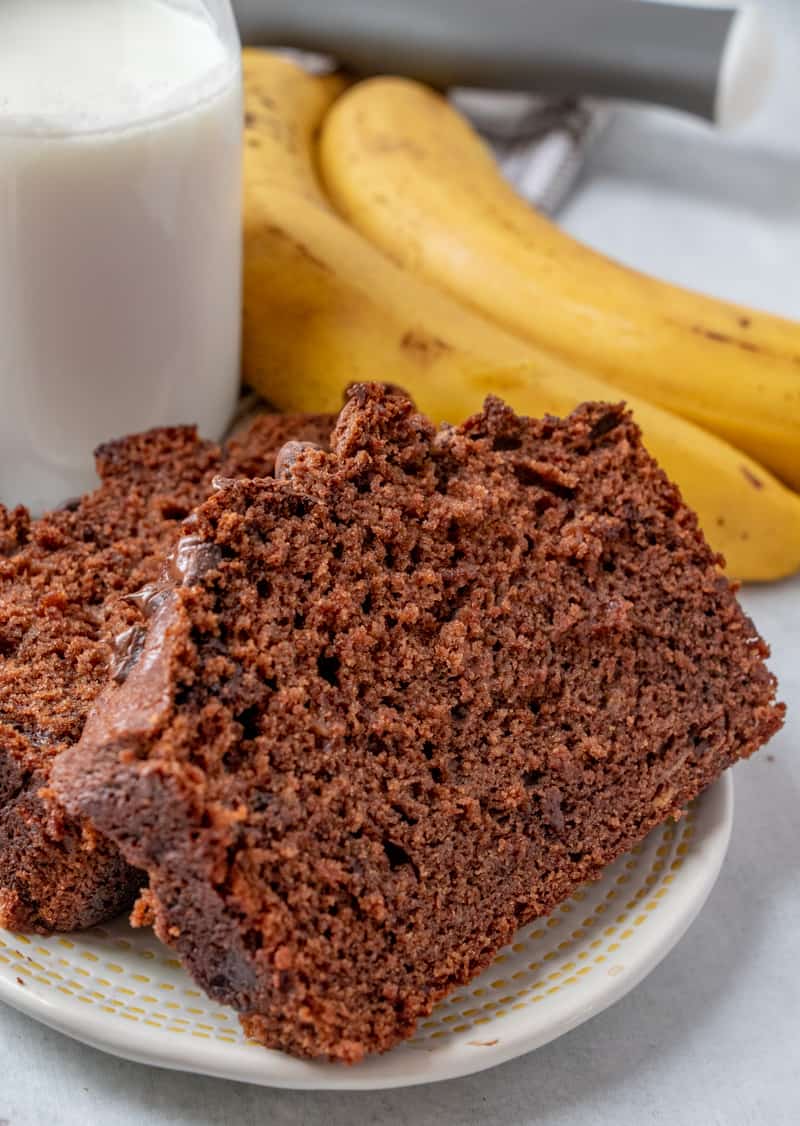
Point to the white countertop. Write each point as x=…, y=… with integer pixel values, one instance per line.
x=712, y=1036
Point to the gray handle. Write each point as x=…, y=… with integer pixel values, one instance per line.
x=662, y=53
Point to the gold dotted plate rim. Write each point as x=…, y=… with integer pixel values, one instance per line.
x=119, y=990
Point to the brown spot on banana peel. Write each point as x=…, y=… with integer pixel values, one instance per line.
x=744, y=345
x=423, y=347
x=300, y=247
x=724, y=338
x=751, y=478
x=383, y=143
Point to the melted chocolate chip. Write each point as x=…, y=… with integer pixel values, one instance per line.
x=128, y=647
x=149, y=598
x=287, y=457
x=192, y=559
x=552, y=812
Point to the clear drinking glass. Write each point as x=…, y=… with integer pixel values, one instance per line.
x=120, y=230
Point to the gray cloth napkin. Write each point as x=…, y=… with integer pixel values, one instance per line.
x=540, y=143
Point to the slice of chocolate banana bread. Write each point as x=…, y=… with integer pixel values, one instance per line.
x=62, y=579
x=406, y=697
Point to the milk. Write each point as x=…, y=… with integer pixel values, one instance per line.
x=120, y=232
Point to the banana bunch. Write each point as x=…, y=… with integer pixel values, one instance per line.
x=329, y=300
x=323, y=307
x=410, y=173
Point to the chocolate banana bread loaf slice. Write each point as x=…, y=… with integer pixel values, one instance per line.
x=63, y=579
x=406, y=697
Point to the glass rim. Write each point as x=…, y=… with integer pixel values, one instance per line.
x=29, y=128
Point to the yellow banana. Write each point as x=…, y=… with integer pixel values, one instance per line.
x=411, y=174
x=323, y=307
x=284, y=106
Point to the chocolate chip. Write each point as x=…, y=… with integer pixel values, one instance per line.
x=220, y=482
x=70, y=505
x=393, y=390
x=149, y=598
x=605, y=424
x=128, y=647
x=551, y=808
x=193, y=558
x=287, y=457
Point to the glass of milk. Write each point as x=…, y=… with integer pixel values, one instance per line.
x=120, y=230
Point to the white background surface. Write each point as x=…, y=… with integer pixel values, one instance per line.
x=712, y=1037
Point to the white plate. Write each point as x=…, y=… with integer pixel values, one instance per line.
x=121, y=991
